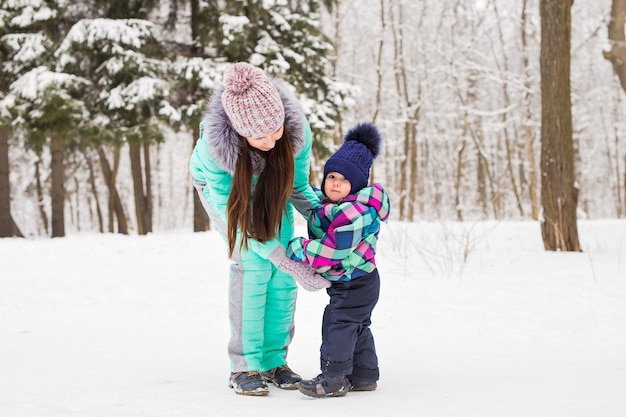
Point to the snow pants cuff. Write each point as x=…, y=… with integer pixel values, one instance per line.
x=336, y=368
x=362, y=376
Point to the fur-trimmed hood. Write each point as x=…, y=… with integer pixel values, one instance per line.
x=224, y=142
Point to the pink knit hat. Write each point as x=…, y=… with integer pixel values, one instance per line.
x=251, y=101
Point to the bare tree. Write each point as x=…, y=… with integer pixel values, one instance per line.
x=617, y=56
x=617, y=53
x=559, y=195
x=409, y=99
x=528, y=131
x=505, y=118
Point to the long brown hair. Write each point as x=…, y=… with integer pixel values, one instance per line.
x=261, y=219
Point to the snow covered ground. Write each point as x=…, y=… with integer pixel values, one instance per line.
x=475, y=319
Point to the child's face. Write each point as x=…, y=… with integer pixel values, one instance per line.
x=336, y=186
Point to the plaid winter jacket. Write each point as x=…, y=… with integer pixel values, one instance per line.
x=343, y=235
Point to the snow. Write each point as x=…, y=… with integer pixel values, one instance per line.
x=35, y=82
x=232, y=24
x=32, y=11
x=473, y=320
x=29, y=46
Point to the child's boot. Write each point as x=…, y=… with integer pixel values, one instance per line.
x=325, y=386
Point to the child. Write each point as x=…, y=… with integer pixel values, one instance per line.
x=343, y=230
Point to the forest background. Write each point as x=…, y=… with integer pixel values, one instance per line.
x=100, y=103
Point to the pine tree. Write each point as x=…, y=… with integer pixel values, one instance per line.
x=283, y=38
x=123, y=62
x=286, y=40
x=45, y=104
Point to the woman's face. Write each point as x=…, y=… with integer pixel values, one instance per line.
x=336, y=186
x=268, y=142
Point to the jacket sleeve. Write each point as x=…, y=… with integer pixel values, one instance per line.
x=217, y=182
x=345, y=233
x=303, y=197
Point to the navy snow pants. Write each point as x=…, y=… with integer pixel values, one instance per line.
x=347, y=342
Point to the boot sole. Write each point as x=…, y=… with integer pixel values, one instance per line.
x=315, y=394
x=285, y=386
x=258, y=392
x=368, y=387
x=291, y=386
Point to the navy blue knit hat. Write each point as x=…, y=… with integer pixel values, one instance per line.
x=354, y=158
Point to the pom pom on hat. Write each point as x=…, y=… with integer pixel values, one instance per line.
x=361, y=145
x=251, y=101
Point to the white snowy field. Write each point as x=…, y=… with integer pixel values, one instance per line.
x=474, y=320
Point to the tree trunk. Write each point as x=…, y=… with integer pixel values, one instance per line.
x=510, y=169
x=201, y=221
x=147, y=171
x=142, y=196
x=94, y=191
x=617, y=39
x=6, y=221
x=484, y=177
x=414, y=175
x=510, y=154
x=400, y=90
x=457, y=181
x=559, y=195
x=57, y=190
x=379, y=66
x=115, y=203
x=409, y=105
x=40, y=204
x=528, y=122
x=532, y=171
x=481, y=184
x=617, y=56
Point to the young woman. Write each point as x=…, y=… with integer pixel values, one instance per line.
x=250, y=167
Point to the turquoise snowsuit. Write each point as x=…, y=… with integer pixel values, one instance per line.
x=261, y=298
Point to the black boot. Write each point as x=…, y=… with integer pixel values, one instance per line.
x=325, y=386
x=248, y=383
x=283, y=377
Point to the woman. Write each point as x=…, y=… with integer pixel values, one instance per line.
x=250, y=168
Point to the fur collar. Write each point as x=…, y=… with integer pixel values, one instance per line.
x=223, y=140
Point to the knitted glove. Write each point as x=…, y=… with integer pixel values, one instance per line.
x=304, y=274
